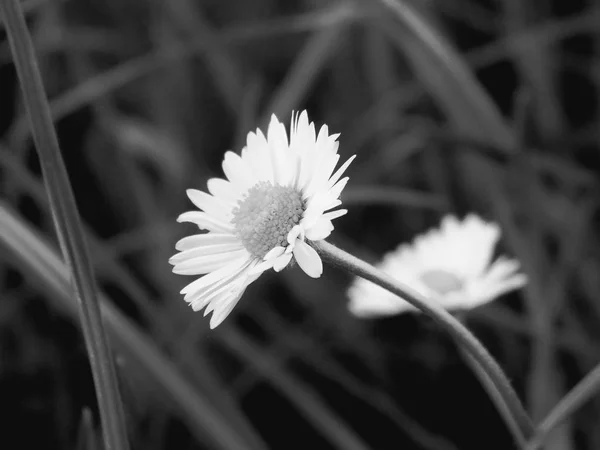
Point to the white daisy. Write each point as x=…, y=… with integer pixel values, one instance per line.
x=451, y=265
x=278, y=194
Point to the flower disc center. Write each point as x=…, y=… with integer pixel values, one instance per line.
x=441, y=281
x=266, y=215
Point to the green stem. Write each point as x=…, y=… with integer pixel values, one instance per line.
x=575, y=398
x=491, y=390
x=483, y=360
x=68, y=226
x=496, y=397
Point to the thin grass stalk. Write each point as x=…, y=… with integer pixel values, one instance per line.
x=25, y=249
x=571, y=402
x=511, y=403
x=68, y=227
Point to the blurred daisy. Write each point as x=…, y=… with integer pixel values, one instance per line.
x=278, y=195
x=452, y=265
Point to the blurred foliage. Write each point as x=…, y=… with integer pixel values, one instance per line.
x=450, y=105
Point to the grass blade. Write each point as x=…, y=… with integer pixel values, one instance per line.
x=38, y=258
x=299, y=394
x=446, y=74
x=68, y=227
x=301, y=76
x=575, y=398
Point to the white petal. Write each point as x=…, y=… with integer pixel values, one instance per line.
x=215, y=292
x=278, y=143
x=282, y=261
x=222, y=305
x=274, y=253
x=206, y=250
x=263, y=266
x=308, y=259
x=219, y=316
x=321, y=173
x=206, y=222
x=320, y=230
x=335, y=214
x=254, y=159
x=225, y=291
x=292, y=236
x=206, y=263
x=337, y=175
x=377, y=307
x=210, y=282
x=237, y=171
x=257, y=144
x=224, y=190
x=197, y=240
x=211, y=205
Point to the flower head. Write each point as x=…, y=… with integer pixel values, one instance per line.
x=452, y=265
x=277, y=195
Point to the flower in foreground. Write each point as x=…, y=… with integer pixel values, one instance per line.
x=451, y=265
x=277, y=195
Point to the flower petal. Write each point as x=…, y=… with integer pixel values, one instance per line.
x=237, y=171
x=206, y=250
x=308, y=259
x=282, y=261
x=210, y=205
x=337, y=175
x=198, y=240
x=224, y=190
x=274, y=253
x=206, y=222
x=207, y=263
x=214, y=277
x=320, y=230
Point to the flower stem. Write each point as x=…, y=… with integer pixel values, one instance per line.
x=511, y=404
x=496, y=397
x=68, y=226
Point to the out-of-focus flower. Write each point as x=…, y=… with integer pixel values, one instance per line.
x=278, y=194
x=451, y=265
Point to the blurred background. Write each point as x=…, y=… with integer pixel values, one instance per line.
x=452, y=106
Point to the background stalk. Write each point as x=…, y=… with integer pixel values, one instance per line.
x=67, y=224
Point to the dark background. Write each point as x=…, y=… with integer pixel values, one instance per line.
x=148, y=94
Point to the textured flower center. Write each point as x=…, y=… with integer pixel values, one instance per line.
x=441, y=281
x=266, y=215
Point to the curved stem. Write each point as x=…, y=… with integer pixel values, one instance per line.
x=464, y=337
x=495, y=395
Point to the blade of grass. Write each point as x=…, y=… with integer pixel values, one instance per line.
x=444, y=71
x=68, y=227
x=297, y=392
x=36, y=257
x=536, y=63
x=302, y=74
x=290, y=342
x=86, y=435
x=588, y=387
x=381, y=195
x=227, y=73
x=108, y=266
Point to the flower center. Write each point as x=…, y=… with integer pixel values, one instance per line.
x=441, y=281
x=266, y=215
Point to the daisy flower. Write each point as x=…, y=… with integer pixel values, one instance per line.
x=277, y=195
x=452, y=265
